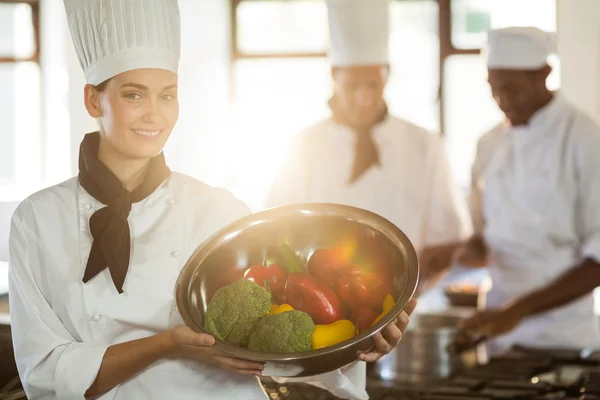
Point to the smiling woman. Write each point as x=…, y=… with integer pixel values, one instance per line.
x=127, y=225
x=136, y=111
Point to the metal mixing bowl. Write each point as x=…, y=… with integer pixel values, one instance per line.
x=252, y=240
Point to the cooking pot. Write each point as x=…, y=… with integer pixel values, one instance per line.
x=424, y=352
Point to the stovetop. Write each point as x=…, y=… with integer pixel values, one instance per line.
x=519, y=374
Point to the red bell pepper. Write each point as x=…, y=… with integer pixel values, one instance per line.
x=357, y=287
x=305, y=292
x=327, y=264
x=363, y=317
x=274, y=276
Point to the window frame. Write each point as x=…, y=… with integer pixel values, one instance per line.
x=14, y=191
x=447, y=49
x=235, y=52
x=35, y=15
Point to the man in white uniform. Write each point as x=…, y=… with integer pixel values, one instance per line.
x=536, y=205
x=364, y=157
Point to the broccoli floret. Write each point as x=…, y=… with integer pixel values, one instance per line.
x=234, y=311
x=288, y=332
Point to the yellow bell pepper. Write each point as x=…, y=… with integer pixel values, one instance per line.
x=275, y=309
x=388, y=303
x=332, y=334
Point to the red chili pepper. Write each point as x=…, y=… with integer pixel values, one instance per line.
x=357, y=287
x=363, y=317
x=305, y=292
x=327, y=264
x=273, y=274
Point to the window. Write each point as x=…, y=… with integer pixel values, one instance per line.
x=281, y=80
x=20, y=157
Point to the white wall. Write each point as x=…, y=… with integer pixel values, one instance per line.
x=579, y=51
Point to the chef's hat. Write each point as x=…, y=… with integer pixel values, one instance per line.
x=519, y=48
x=115, y=36
x=359, y=32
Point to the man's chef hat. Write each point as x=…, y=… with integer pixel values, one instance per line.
x=115, y=36
x=359, y=32
x=519, y=48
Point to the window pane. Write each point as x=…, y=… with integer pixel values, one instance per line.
x=16, y=31
x=412, y=90
x=470, y=111
x=7, y=138
x=287, y=26
x=273, y=101
x=471, y=19
x=20, y=134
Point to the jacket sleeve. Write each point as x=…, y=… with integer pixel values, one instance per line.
x=51, y=362
x=448, y=219
x=475, y=195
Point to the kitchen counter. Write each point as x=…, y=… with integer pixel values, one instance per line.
x=518, y=374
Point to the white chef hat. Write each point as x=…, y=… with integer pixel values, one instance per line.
x=359, y=32
x=115, y=36
x=519, y=48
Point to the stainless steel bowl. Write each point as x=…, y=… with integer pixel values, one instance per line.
x=222, y=259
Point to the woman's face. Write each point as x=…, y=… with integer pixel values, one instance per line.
x=136, y=110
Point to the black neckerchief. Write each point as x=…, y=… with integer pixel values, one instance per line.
x=109, y=226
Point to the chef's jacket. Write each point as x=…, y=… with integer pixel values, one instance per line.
x=62, y=327
x=536, y=201
x=412, y=186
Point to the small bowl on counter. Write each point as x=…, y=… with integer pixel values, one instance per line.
x=223, y=259
x=462, y=294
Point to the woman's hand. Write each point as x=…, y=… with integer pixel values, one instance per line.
x=185, y=343
x=390, y=336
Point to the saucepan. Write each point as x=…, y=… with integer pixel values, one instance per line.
x=252, y=240
x=433, y=348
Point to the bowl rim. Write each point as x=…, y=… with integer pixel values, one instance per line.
x=390, y=230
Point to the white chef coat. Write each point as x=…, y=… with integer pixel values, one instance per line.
x=536, y=200
x=62, y=327
x=412, y=187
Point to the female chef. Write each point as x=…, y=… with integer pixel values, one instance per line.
x=93, y=260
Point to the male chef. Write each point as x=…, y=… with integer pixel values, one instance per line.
x=535, y=205
x=361, y=155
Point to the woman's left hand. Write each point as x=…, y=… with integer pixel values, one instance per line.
x=389, y=337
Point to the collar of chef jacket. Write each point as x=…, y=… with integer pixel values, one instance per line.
x=542, y=123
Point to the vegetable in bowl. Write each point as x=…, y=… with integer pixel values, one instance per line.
x=287, y=332
x=249, y=313
x=234, y=311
